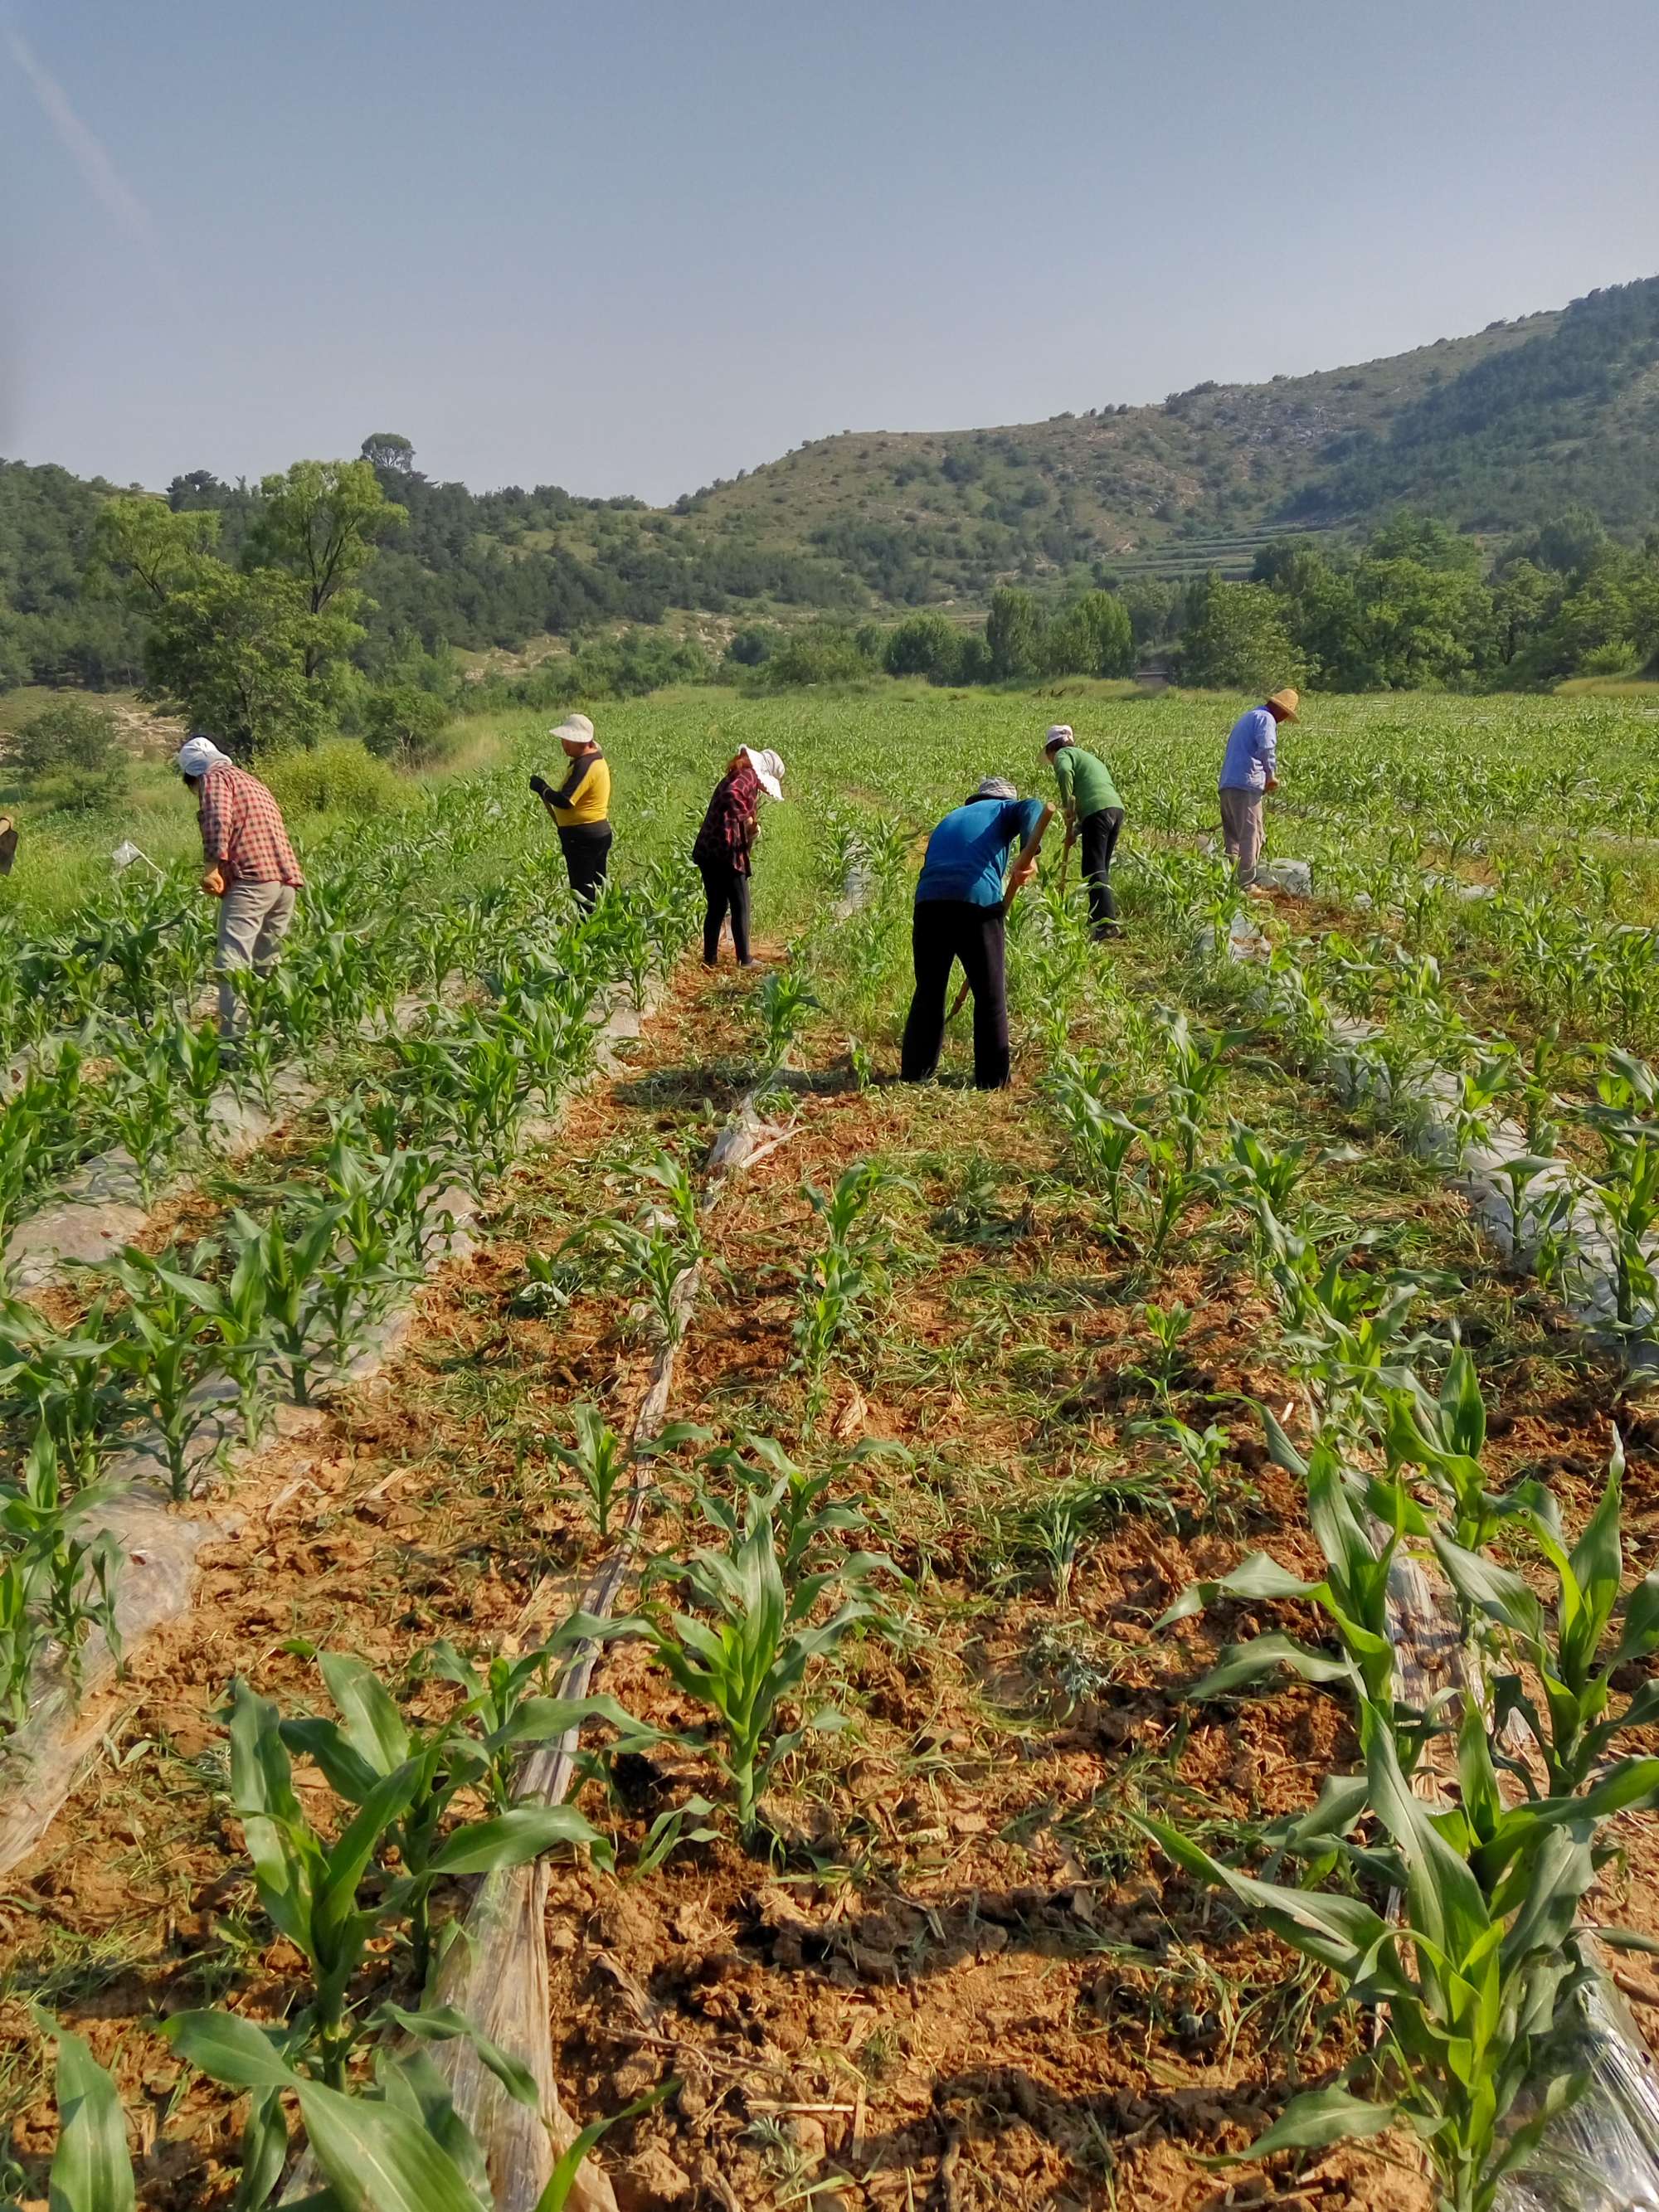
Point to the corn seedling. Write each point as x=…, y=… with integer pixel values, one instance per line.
x=782, y=1005
x=166, y=1353
x=746, y=1649
x=1354, y=1593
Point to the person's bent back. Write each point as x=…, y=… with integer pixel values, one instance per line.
x=958, y=915
x=251, y=868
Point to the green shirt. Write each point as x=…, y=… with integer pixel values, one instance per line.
x=1086, y=783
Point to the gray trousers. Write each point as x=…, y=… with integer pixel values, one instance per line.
x=253, y=920
x=1241, y=831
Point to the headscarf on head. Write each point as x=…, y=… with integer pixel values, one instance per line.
x=196, y=756
x=1060, y=733
x=769, y=769
x=996, y=787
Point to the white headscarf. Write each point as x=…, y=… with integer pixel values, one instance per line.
x=197, y=755
x=769, y=767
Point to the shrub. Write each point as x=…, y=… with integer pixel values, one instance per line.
x=339, y=778
x=927, y=644
x=406, y=726
x=71, y=756
x=819, y=656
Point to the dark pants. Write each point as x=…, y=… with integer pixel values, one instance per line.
x=944, y=930
x=727, y=890
x=1098, y=834
x=587, y=850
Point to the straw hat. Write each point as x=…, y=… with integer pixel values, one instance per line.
x=574, y=730
x=1286, y=700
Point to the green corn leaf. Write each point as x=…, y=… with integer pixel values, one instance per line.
x=1342, y=1932
x=1258, y=1576
x=512, y=1839
x=562, y=2179
x=411, y=2084
x=228, y=2049
x=1446, y=1909
x=1498, y=1592
x=379, y=2158
x=265, y=2152
x=1640, y=1632
x=1315, y=2120
x=325, y=1743
x=444, y=2024
x=1280, y=1450
x=1597, y=1564
x=374, y=1726
x=91, y=2168
x=343, y=1869
x=1241, y=1664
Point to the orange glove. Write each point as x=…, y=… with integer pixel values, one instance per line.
x=213, y=883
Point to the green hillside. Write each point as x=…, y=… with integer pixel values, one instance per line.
x=1495, y=434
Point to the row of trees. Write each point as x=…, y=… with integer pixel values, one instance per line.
x=1413, y=609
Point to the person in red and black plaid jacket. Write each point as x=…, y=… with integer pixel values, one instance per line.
x=251, y=867
x=724, y=843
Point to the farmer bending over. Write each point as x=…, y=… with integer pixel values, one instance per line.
x=1094, y=814
x=725, y=844
x=251, y=867
x=580, y=807
x=1249, y=769
x=960, y=906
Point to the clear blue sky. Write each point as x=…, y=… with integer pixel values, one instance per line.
x=630, y=247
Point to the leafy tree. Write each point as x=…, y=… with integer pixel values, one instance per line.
x=1236, y=639
x=231, y=651
x=1425, y=539
x=142, y=546
x=406, y=723
x=1014, y=634
x=1523, y=598
x=389, y=449
x=816, y=655
x=1572, y=543
x=320, y=522
x=71, y=756
x=1093, y=637
x=927, y=644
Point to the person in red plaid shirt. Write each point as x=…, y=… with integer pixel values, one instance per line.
x=724, y=845
x=251, y=867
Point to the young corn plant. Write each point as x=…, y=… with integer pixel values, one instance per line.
x=1352, y=1593
x=373, y=1740
x=744, y=1647
x=167, y=1353
x=233, y=1302
x=311, y=1889
x=294, y=1258
x=58, y=1582
x=1572, y=1650
x=1474, y=1986
x=783, y=1007
x=837, y=1283
x=63, y=1382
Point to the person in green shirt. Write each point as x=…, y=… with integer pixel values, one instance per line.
x=1094, y=814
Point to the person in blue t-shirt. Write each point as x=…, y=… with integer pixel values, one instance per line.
x=960, y=904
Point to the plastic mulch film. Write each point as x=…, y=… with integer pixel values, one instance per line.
x=496, y=1972
x=41, y=1762
x=1603, y=2154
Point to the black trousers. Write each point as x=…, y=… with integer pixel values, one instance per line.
x=587, y=850
x=1098, y=834
x=727, y=890
x=943, y=932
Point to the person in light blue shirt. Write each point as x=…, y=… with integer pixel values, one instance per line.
x=1249, y=769
x=960, y=904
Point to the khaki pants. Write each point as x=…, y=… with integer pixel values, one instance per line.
x=253, y=920
x=1241, y=831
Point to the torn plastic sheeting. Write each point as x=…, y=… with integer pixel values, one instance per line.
x=495, y=1974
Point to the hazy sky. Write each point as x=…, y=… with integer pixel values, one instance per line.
x=629, y=247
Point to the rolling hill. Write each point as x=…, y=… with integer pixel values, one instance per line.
x=1494, y=433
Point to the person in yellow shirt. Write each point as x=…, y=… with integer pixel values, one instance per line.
x=580, y=807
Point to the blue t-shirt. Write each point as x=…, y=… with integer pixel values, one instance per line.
x=968, y=853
